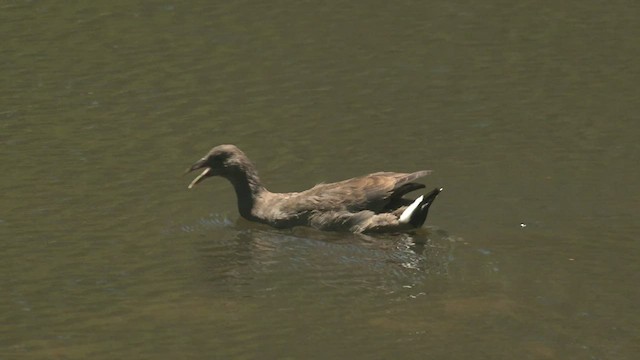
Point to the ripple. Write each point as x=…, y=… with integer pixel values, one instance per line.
x=268, y=259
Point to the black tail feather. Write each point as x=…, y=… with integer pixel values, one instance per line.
x=420, y=215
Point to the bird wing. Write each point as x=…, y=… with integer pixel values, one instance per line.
x=370, y=192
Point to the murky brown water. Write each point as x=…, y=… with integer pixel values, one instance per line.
x=527, y=113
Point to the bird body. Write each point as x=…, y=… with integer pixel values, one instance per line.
x=370, y=203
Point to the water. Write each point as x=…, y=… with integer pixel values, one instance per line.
x=526, y=113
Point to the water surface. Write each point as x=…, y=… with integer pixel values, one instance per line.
x=527, y=113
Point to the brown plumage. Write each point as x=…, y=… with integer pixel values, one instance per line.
x=370, y=203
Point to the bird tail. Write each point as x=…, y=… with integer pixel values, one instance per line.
x=416, y=213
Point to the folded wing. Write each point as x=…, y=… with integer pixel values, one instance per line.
x=378, y=192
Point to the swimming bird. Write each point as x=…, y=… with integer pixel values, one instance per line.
x=365, y=204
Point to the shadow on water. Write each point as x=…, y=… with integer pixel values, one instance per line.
x=245, y=255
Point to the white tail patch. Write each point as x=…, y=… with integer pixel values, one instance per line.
x=406, y=214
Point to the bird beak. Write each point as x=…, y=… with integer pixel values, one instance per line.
x=205, y=174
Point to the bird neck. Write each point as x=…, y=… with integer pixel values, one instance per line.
x=248, y=188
